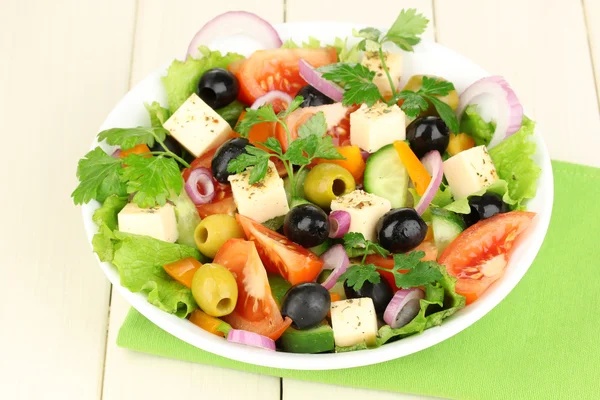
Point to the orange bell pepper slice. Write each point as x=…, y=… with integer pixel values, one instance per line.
x=354, y=162
x=183, y=270
x=416, y=170
x=209, y=323
x=139, y=149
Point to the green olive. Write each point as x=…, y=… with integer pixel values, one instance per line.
x=213, y=231
x=215, y=290
x=325, y=182
x=416, y=82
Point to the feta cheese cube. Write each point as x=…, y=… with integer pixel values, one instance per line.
x=371, y=128
x=354, y=322
x=365, y=209
x=470, y=171
x=157, y=222
x=197, y=126
x=393, y=61
x=263, y=200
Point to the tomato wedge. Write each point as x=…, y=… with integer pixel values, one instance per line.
x=431, y=253
x=280, y=255
x=336, y=115
x=478, y=256
x=277, y=69
x=256, y=310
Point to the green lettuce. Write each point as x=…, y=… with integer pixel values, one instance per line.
x=104, y=243
x=183, y=76
x=158, y=114
x=345, y=53
x=514, y=162
x=231, y=112
x=500, y=187
x=475, y=126
x=107, y=213
x=187, y=219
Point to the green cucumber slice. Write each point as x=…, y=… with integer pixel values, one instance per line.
x=447, y=225
x=387, y=177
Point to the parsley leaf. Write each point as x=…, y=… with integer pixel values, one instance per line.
x=435, y=86
x=419, y=272
x=127, y=138
x=356, y=245
x=256, y=158
x=253, y=117
x=367, y=33
x=316, y=125
x=357, y=81
x=446, y=113
x=413, y=103
x=153, y=179
x=100, y=176
x=406, y=29
x=293, y=106
x=357, y=275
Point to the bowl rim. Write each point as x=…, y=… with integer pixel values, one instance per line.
x=453, y=325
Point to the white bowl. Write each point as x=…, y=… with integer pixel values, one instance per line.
x=428, y=58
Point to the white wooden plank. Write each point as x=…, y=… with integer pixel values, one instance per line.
x=382, y=13
x=163, y=31
x=541, y=47
x=64, y=65
x=591, y=9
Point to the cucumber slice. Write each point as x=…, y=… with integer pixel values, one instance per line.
x=309, y=341
x=446, y=227
x=387, y=177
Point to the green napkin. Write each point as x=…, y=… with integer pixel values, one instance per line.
x=541, y=342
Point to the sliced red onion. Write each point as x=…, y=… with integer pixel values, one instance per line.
x=251, y=339
x=234, y=23
x=432, y=161
x=495, y=99
x=339, y=223
x=336, y=260
x=315, y=79
x=116, y=153
x=404, y=307
x=203, y=177
x=270, y=97
x=365, y=155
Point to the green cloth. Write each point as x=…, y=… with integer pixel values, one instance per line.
x=541, y=342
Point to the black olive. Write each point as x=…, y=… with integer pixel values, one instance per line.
x=401, y=230
x=312, y=97
x=381, y=293
x=171, y=144
x=426, y=134
x=484, y=207
x=218, y=87
x=227, y=152
x=306, y=225
x=307, y=304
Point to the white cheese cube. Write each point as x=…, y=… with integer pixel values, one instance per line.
x=393, y=61
x=157, y=222
x=354, y=322
x=197, y=126
x=263, y=200
x=365, y=209
x=470, y=171
x=371, y=128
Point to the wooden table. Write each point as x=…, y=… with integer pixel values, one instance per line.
x=64, y=66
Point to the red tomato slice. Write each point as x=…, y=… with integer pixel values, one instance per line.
x=478, y=256
x=277, y=69
x=280, y=255
x=431, y=252
x=256, y=310
x=336, y=115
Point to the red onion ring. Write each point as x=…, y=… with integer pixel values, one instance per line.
x=337, y=260
x=504, y=101
x=203, y=177
x=251, y=339
x=432, y=161
x=116, y=153
x=339, y=223
x=270, y=97
x=315, y=79
x=235, y=23
x=404, y=307
x=365, y=155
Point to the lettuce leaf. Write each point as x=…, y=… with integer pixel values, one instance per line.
x=187, y=219
x=158, y=114
x=500, y=187
x=345, y=54
x=107, y=213
x=475, y=126
x=514, y=162
x=183, y=76
x=231, y=112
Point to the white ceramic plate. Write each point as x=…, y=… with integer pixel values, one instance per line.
x=428, y=58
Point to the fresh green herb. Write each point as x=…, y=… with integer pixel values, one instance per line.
x=405, y=31
x=418, y=273
x=311, y=143
x=99, y=177
x=127, y=138
x=357, y=81
x=158, y=114
x=356, y=245
x=344, y=52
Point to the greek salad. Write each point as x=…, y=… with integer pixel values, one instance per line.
x=301, y=200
